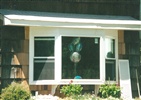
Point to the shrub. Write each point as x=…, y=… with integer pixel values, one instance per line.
x=108, y=90
x=71, y=89
x=15, y=91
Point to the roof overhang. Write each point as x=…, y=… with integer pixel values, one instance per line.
x=27, y=18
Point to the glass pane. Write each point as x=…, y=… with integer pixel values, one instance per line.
x=44, y=46
x=110, y=48
x=80, y=58
x=43, y=69
x=110, y=70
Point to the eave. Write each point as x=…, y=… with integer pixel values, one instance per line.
x=26, y=18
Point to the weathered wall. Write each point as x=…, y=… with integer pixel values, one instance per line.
x=129, y=48
x=98, y=7
x=11, y=41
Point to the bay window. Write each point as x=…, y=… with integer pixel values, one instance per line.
x=57, y=57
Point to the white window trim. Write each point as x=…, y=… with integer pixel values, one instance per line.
x=116, y=57
x=31, y=49
x=58, y=52
x=102, y=66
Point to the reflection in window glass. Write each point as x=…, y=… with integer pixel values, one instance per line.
x=44, y=46
x=80, y=58
x=110, y=48
x=43, y=69
x=110, y=70
x=43, y=58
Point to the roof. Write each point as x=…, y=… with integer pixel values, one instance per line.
x=50, y=19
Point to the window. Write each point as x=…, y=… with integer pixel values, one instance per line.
x=80, y=58
x=43, y=58
x=110, y=70
x=110, y=59
x=110, y=48
x=86, y=56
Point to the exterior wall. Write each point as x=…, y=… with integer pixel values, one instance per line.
x=24, y=56
x=129, y=48
x=102, y=7
x=121, y=44
x=98, y=7
x=15, y=40
x=11, y=44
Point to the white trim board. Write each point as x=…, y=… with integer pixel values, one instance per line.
x=125, y=81
x=30, y=18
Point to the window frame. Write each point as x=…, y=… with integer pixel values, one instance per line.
x=87, y=81
x=31, y=60
x=114, y=59
x=58, y=53
x=100, y=34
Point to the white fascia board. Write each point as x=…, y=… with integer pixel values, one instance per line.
x=7, y=21
x=73, y=20
x=71, y=25
x=20, y=20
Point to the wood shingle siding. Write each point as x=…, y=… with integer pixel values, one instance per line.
x=17, y=38
x=98, y=7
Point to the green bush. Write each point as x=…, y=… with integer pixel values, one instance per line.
x=108, y=90
x=15, y=91
x=71, y=89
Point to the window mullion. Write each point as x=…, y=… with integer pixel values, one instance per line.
x=58, y=60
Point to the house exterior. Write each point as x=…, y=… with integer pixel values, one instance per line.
x=44, y=49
